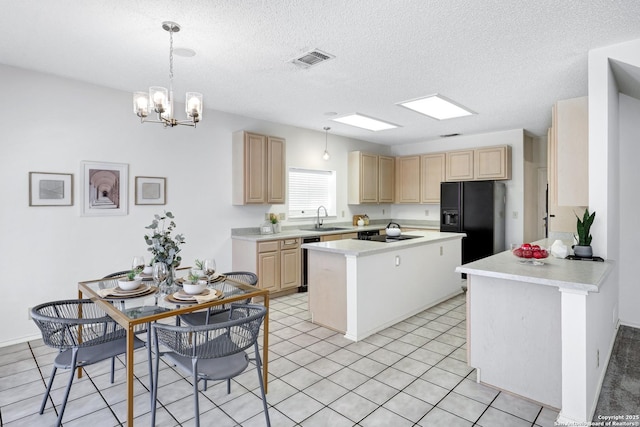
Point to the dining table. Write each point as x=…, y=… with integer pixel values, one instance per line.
x=135, y=311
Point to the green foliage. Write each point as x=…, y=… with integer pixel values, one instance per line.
x=199, y=264
x=583, y=228
x=164, y=247
x=133, y=273
x=193, y=278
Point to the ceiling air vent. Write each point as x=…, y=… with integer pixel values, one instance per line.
x=311, y=58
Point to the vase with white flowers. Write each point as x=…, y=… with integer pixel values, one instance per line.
x=162, y=245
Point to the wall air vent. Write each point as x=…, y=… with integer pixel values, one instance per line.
x=311, y=58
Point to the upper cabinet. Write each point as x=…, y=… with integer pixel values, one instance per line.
x=567, y=163
x=459, y=166
x=571, y=152
x=491, y=163
x=371, y=178
x=408, y=179
x=481, y=164
x=432, y=173
x=258, y=169
x=386, y=179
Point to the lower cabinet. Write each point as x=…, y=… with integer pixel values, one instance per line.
x=330, y=237
x=276, y=262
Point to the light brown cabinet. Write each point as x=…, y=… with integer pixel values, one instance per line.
x=567, y=164
x=386, y=179
x=371, y=178
x=492, y=163
x=276, y=262
x=342, y=236
x=481, y=164
x=258, y=169
x=408, y=179
x=459, y=165
x=432, y=173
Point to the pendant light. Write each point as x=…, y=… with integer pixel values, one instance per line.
x=326, y=155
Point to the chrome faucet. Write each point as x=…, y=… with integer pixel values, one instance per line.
x=318, y=220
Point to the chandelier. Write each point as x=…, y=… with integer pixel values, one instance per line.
x=160, y=100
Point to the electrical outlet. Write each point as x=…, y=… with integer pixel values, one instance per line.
x=282, y=216
x=598, y=358
x=266, y=216
x=426, y=212
x=515, y=214
x=441, y=251
x=342, y=214
x=382, y=211
x=29, y=313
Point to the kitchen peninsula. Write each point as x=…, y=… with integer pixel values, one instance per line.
x=537, y=330
x=359, y=287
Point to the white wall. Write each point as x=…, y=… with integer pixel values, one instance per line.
x=629, y=208
x=51, y=124
x=514, y=227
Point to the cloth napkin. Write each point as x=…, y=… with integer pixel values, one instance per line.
x=107, y=292
x=206, y=298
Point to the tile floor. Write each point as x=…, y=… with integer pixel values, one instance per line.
x=411, y=374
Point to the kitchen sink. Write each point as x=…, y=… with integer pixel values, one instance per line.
x=325, y=229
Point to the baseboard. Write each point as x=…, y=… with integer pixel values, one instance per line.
x=629, y=324
x=20, y=340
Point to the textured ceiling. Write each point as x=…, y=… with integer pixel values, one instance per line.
x=507, y=60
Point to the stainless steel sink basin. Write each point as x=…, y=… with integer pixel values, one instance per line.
x=324, y=229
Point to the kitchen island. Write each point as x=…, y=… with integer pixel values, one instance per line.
x=529, y=328
x=359, y=287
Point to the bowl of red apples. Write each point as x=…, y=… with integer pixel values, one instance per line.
x=531, y=253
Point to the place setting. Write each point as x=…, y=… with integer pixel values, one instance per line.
x=194, y=286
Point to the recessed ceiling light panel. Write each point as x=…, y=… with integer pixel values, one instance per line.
x=365, y=122
x=437, y=107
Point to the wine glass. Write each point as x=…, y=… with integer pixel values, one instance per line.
x=137, y=263
x=160, y=274
x=209, y=267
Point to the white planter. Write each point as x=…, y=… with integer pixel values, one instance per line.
x=194, y=288
x=128, y=285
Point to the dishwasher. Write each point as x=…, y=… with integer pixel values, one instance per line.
x=310, y=239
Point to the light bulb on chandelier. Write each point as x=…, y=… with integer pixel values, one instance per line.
x=160, y=100
x=326, y=155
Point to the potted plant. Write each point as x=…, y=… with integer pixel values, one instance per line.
x=131, y=281
x=162, y=245
x=583, y=248
x=273, y=218
x=193, y=284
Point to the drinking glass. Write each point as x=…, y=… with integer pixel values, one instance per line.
x=160, y=274
x=209, y=267
x=137, y=263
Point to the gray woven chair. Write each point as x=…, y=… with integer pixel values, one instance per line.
x=219, y=313
x=83, y=333
x=212, y=352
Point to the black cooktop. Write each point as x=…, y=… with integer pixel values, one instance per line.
x=389, y=239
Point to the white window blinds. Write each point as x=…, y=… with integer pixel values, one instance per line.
x=309, y=189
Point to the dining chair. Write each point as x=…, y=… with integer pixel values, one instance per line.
x=219, y=313
x=83, y=333
x=212, y=352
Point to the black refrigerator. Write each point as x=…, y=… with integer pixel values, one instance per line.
x=476, y=208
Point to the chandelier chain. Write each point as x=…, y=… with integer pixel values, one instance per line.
x=171, y=54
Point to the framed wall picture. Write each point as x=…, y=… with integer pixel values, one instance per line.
x=151, y=190
x=104, y=188
x=50, y=189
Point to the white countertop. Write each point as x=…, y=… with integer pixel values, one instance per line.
x=294, y=233
x=366, y=247
x=582, y=275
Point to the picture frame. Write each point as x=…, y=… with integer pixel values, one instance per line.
x=105, y=188
x=50, y=189
x=150, y=190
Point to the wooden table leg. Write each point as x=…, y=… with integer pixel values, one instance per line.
x=130, y=350
x=265, y=347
